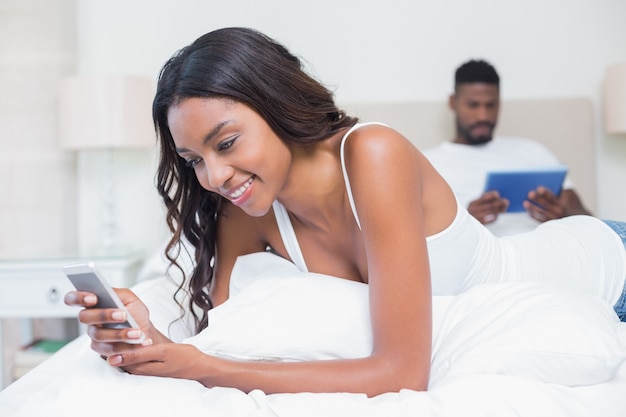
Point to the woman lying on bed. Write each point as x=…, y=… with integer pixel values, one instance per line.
x=256, y=156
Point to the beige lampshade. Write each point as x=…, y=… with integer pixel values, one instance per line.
x=615, y=99
x=112, y=111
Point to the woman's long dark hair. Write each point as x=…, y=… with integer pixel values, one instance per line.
x=246, y=66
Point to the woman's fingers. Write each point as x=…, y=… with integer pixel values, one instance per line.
x=80, y=298
x=107, y=335
x=102, y=316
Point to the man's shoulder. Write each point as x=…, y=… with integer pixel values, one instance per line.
x=499, y=145
x=522, y=150
x=514, y=139
x=444, y=148
x=519, y=142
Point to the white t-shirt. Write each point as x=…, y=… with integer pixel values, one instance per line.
x=465, y=168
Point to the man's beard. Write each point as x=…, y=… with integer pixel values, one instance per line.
x=466, y=134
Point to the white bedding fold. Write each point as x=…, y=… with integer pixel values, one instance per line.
x=520, y=350
x=76, y=382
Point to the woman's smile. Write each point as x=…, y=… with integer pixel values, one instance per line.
x=239, y=195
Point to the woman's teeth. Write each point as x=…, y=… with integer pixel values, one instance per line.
x=238, y=192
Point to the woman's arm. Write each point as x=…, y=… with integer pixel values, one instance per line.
x=388, y=182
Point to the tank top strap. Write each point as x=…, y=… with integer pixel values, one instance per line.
x=343, y=167
x=285, y=227
x=288, y=234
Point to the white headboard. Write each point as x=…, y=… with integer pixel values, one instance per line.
x=565, y=126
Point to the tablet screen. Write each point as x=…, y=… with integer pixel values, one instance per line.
x=514, y=185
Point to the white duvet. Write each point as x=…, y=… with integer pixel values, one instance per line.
x=498, y=350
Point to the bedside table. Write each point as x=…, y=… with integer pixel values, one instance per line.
x=34, y=288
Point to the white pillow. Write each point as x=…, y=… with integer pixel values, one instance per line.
x=277, y=313
x=533, y=330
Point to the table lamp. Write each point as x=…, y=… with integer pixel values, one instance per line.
x=106, y=113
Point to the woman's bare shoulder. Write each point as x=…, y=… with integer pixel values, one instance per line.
x=378, y=144
x=381, y=162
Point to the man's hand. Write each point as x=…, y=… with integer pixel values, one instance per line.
x=488, y=206
x=543, y=205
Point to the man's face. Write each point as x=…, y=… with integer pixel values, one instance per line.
x=476, y=106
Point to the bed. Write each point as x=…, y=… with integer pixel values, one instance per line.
x=513, y=349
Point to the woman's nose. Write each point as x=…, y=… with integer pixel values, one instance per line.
x=218, y=173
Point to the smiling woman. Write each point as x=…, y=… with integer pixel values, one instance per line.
x=255, y=156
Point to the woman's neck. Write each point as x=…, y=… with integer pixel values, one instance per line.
x=315, y=188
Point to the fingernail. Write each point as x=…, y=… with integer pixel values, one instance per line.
x=90, y=299
x=70, y=298
x=119, y=315
x=147, y=342
x=115, y=359
x=134, y=334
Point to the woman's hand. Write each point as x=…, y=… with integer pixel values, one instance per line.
x=174, y=360
x=109, y=341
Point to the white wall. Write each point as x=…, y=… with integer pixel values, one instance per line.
x=392, y=49
x=37, y=192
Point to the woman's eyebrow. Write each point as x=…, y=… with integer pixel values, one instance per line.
x=214, y=132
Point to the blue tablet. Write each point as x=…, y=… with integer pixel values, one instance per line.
x=514, y=185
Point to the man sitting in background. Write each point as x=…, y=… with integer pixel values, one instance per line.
x=465, y=161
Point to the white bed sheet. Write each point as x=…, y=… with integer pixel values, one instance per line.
x=76, y=382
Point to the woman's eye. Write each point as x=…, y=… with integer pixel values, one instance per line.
x=192, y=163
x=225, y=144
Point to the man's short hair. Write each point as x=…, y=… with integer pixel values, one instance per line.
x=476, y=71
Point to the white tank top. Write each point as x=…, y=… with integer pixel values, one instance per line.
x=580, y=252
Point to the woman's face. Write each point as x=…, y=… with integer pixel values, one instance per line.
x=232, y=150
